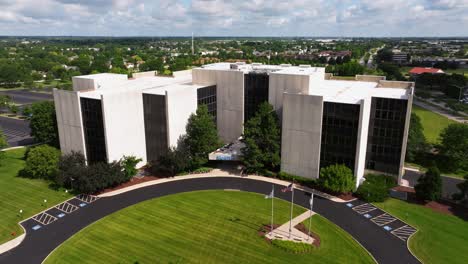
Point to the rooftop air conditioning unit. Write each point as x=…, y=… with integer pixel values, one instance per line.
x=285, y=65
x=304, y=66
x=234, y=66
x=240, y=63
x=256, y=64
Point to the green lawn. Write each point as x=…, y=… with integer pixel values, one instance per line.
x=200, y=227
x=441, y=238
x=432, y=123
x=19, y=193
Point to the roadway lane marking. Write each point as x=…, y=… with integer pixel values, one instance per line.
x=383, y=219
x=364, y=208
x=44, y=218
x=404, y=232
x=66, y=207
x=87, y=198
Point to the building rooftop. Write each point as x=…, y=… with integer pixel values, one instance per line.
x=421, y=70
x=257, y=67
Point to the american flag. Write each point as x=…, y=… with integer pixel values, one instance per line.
x=287, y=189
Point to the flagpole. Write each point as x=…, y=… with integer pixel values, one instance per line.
x=310, y=218
x=292, y=202
x=272, y=198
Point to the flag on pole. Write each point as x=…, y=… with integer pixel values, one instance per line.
x=271, y=195
x=311, y=200
x=288, y=189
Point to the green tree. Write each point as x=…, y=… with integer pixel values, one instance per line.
x=429, y=186
x=454, y=145
x=262, y=139
x=43, y=123
x=417, y=143
x=5, y=101
x=41, y=163
x=462, y=196
x=337, y=178
x=173, y=162
x=202, y=136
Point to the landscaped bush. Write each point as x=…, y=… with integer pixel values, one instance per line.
x=337, y=178
x=297, y=179
x=375, y=188
x=41, y=163
x=292, y=247
x=429, y=186
x=74, y=174
x=129, y=165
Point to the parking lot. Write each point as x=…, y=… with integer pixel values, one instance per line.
x=388, y=222
x=26, y=97
x=16, y=131
x=58, y=212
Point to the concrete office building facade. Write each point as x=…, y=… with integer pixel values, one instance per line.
x=362, y=123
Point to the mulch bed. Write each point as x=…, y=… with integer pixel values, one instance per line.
x=131, y=182
x=441, y=206
x=301, y=227
x=265, y=229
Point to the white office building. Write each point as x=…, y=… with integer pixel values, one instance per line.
x=361, y=123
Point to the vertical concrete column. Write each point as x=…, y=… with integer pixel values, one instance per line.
x=409, y=107
x=361, y=148
x=301, y=134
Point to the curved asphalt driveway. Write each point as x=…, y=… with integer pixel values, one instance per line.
x=38, y=244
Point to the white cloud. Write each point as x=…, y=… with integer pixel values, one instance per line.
x=235, y=17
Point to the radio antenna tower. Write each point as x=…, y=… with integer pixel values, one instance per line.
x=193, y=50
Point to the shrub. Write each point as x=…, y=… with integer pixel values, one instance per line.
x=292, y=247
x=129, y=165
x=70, y=167
x=375, y=188
x=174, y=162
x=337, y=178
x=41, y=163
x=462, y=196
x=298, y=179
x=429, y=186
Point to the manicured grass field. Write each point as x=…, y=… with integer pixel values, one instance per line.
x=21, y=194
x=432, y=123
x=201, y=227
x=441, y=238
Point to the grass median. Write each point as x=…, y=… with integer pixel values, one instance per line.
x=201, y=227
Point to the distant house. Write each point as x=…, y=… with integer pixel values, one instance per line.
x=420, y=70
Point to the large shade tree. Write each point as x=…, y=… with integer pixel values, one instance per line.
x=262, y=138
x=417, y=144
x=202, y=136
x=43, y=123
x=454, y=146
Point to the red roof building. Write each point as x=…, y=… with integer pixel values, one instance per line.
x=421, y=70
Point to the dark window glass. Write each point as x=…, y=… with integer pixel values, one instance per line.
x=93, y=127
x=255, y=93
x=207, y=96
x=386, y=130
x=154, y=109
x=339, y=134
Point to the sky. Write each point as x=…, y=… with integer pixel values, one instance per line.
x=340, y=18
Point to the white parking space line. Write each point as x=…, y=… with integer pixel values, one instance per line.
x=383, y=219
x=87, y=198
x=404, y=232
x=364, y=208
x=44, y=218
x=66, y=207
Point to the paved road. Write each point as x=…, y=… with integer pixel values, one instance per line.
x=27, y=97
x=16, y=131
x=449, y=184
x=385, y=247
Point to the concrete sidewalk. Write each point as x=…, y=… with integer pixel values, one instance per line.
x=222, y=173
x=282, y=232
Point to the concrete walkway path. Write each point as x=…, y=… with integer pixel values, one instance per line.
x=283, y=233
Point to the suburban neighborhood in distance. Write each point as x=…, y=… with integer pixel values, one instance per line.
x=233, y=132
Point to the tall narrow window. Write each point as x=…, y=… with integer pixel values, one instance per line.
x=93, y=126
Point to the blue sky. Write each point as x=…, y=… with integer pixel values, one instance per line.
x=388, y=18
